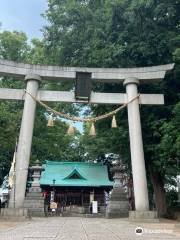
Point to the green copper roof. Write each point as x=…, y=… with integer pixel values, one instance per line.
x=75, y=174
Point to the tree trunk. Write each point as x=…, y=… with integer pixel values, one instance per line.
x=159, y=191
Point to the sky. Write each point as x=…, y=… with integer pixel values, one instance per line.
x=23, y=15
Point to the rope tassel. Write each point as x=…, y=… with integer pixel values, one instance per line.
x=50, y=121
x=92, y=131
x=71, y=130
x=114, y=123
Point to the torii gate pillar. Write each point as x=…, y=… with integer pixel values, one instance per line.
x=25, y=139
x=136, y=146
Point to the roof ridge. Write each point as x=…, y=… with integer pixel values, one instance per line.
x=65, y=162
x=75, y=170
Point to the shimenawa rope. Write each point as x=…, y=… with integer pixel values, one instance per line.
x=78, y=119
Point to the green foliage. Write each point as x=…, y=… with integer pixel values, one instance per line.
x=9, y=122
x=37, y=52
x=13, y=46
x=111, y=33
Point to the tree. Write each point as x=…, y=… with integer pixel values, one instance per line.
x=13, y=46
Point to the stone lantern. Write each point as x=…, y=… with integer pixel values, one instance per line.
x=118, y=174
x=34, y=200
x=118, y=201
x=36, y=174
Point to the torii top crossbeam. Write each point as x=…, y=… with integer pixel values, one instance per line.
x=144, y=74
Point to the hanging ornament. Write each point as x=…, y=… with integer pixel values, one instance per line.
x=92, y=131
x=50, y=121
x=114, y=123
x=71, y=130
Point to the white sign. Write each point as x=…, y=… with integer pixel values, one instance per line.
x=94, y=206
x=52, y=196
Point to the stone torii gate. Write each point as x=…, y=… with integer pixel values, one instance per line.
x=130, y=77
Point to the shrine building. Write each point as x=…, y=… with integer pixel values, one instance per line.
x=74, y=185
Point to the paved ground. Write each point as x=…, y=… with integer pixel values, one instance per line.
x=57, y=228
x=7, y=225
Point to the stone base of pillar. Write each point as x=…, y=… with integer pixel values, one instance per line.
x=14, y=214
x=143, y=216
x=174, y=212
x=177, y=216
x=34, y=202
x=118, y=204
x=176, y=228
